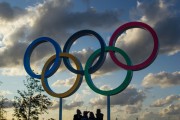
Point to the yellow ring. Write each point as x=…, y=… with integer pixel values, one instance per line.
x=76, y=85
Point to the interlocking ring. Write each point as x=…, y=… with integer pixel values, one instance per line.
x=72, y=39
x=123, y=28
x=122, y=86
x=29, y=51
x=55, y=60
x=76, y=85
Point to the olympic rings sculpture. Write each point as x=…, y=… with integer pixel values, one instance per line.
x=53, y=63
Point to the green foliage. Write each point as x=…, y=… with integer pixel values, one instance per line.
x=31, y=103
x=2, y=105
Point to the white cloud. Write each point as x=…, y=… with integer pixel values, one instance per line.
x=67, y=82
x=105, y=87
x=55, y=104
x=173, y=109
x=138, y=4
x=162, y=79
x=73, y=104
x=166, y=101
x=16, y=71
x=5, y=92
x=76, y=102
x=130, y=96
x=132, y=109
x=83, y=55
x=150, y=115
x=86, y=91
x=170, y=112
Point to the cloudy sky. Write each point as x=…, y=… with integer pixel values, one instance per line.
x=153, y=93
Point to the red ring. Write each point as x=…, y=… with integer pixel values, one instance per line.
x=123, y=28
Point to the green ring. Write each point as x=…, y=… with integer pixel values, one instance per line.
x=122, y=86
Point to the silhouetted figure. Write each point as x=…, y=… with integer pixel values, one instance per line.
x=77, y=116
x=85, y=115
x=91, y=116
x=99, y=115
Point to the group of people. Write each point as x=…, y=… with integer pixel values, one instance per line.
x=91, y=116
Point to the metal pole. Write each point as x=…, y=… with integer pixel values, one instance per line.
x=60, y=108
x=108, y=108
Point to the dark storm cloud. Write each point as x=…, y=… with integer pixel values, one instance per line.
x=168, y=32
x=12, y=59
x=13, y=54
x=166, y=23
x=152, y=9
x=53, y=19
x=107, y=67
x=8, y=12
x=56, y=20
x=138, y=44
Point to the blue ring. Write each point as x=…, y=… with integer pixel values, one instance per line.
x=29, y=51
x=72, y=39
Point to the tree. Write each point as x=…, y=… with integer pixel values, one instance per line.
x=31, y=103
x=2, y=105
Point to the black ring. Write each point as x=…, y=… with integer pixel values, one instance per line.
x=72, y=39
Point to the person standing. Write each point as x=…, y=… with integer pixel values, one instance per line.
x=91, y=116
x=77, y=116
x=85, y=115
x=99, y=115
